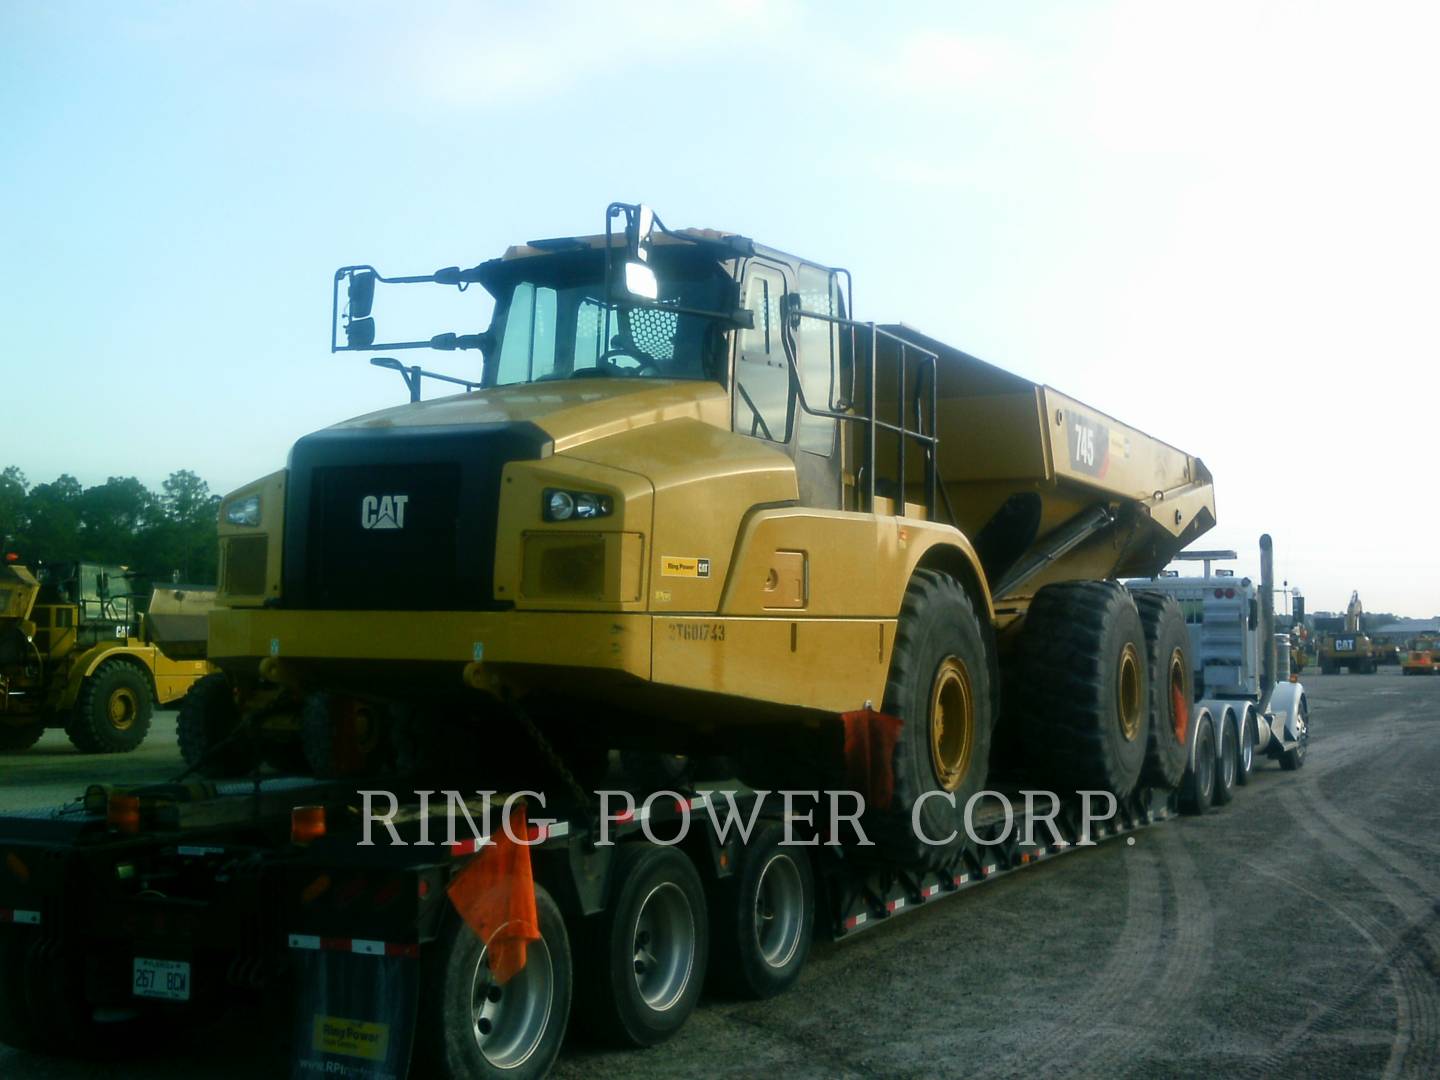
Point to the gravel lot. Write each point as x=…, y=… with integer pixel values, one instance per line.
x=1293, y=933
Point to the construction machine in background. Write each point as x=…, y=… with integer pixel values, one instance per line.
x=1351, y=648
x=689, y=506
x=83, y=647
x=1421, y=655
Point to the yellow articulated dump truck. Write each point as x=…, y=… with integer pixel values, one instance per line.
x=690, y=505
x=82, y=650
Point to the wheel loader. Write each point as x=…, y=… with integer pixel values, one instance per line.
x=82, y=649
x=690, y=505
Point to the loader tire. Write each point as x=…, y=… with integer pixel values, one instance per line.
x=1167, y=644
x=17, y=737
x=940, y=689
x=112, y=714
x=208, y=728
x=1083, y=688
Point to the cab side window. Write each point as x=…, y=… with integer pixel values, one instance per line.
x=818, y=345
x=763, y=401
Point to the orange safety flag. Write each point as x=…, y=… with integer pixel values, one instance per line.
x=870, y=739
x=495, y=895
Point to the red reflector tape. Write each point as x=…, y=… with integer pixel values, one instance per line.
x=16, y=915
x=854, y=921
x=930, y=890
x=961, y=879
x=357, y=946
x=894, y=905
x=987, y=871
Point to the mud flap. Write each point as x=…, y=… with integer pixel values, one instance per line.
x=354, y=1010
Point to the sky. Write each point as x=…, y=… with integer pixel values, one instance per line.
x=1215, y=222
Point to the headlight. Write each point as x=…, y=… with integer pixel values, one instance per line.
x=244, y=511
x=559, y=505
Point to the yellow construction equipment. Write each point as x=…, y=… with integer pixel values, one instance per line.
x=82, y=650
x=1352, y=648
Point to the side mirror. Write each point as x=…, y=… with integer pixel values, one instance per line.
x=640, y=281
x=361, y=293
x=360, y=333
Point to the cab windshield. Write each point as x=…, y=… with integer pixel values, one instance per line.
x=552, y=322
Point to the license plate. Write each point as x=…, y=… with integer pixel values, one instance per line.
x=168, y=980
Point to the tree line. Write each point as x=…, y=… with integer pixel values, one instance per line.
x=158, y=534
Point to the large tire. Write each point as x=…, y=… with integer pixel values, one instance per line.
x=1083, y=688
x=1226, y=764
x=207, y=728
x=112, y=714
x=640, y=971
x=15, y=738
x=940, y=689
x=762, y=918
x=520, y=1026
x=1198, y=790
x=1167, y=644
x=343, y=737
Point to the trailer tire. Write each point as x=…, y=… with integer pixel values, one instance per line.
x=208, y=718
x=762, y=919
x=529, y=1013
x=1198, y=790
x=1245, y=751
x=15, y=738
x=1083, y=687
x=1167, y=641
x=1226, y=764
x=643, y=961
x=112, y=714
x=939, y=672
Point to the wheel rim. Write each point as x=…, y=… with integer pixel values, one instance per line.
x=663, y=946
x=1127, y=693
x=1227, y=762
x=1205, y=764
x=779, y=910
x=1302, y=733
x=1247, y=750
x=1179, y=706
x=122, y=708
x=952, y=723
x=508, y=1022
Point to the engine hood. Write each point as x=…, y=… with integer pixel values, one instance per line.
x=572, y=412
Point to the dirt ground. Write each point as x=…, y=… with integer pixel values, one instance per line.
x=1293, y=933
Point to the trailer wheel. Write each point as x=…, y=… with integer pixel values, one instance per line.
x=1167, y=643
x=1245, y=751
x=1083, y=688
x=763, y=918
x=112, y=714
x=644, y=959
x=1226, y=765
x=17, y=737
x=1290, y=760
x=939, y=687
x=209, y=731
x=1198, y=790
x=469, y=1027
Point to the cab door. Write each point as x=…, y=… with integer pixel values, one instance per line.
x=766, y=400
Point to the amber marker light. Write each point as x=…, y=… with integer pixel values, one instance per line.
x=122, y=813
x=307, y=824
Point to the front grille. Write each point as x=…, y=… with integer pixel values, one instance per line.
x=398, y=519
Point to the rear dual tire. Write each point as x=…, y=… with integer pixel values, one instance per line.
x=763, y=918
x=1197, y=792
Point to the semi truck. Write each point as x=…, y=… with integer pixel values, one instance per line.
x=1253, y=701
x=85, y=648
x=689, y=506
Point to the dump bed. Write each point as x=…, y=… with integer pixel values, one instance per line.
x=1047, y=488
x=177, y=620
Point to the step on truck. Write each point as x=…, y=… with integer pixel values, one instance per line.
x=691, y=511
